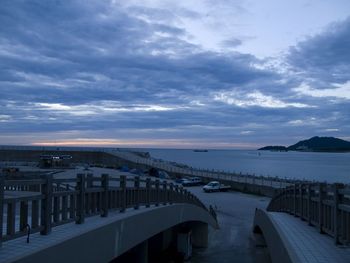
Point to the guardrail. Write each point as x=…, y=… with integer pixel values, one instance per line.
x=273, y=182
x=325, y=206
x=170, y=167
x=41, y=204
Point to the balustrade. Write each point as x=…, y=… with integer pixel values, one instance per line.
x=47, y=202
x=325, y=206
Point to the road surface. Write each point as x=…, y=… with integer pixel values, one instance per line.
x=234, y=241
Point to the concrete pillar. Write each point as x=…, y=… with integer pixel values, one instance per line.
x=199, y=234
x=141, y=252
x=161, y=241
x=167, y=236
x=136, y=254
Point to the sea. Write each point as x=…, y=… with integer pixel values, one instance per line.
x=313, y=166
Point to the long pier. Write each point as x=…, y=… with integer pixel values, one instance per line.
x=263, y=185
x=110, y=157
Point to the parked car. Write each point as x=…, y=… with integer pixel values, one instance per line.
x=163, y=175
x=136, y=171
x=192, y=181
x=215, y=186
x=179, y=180
x=153, y=172
x=124, y=168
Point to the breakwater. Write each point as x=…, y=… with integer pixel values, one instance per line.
x=114, y=158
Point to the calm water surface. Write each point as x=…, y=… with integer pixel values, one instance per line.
x=330, y=167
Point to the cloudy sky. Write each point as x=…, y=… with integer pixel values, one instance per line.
x=165, y=73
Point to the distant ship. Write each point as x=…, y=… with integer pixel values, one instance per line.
x=200, y=150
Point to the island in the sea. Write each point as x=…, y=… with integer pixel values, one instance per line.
x=200, y=150
x=314, y=144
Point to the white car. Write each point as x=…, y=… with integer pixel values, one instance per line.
x=215, y=186
x=192, y=181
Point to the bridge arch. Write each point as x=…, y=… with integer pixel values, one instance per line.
x=277, y=243
x=122, y=232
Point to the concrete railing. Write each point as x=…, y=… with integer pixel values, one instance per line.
x=173, y=168
x=39, y=205
x=324, y=206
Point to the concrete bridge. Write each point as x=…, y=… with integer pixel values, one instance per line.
x=322, y=234
x=97, y=219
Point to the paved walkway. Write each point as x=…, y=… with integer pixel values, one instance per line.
x=306, y=244
x=234, y=241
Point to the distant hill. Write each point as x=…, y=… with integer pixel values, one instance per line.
x=321, y=144
x=274, y=148
x=315, y=144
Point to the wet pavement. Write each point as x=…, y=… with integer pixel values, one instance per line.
x=234, y=241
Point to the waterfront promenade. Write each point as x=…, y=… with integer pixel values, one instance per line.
x=170, y=167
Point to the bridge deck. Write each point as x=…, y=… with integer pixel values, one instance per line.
x=306, y=244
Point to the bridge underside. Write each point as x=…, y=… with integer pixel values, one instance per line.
x=105, y=239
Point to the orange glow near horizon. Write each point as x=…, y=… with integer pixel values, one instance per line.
x=160, y=143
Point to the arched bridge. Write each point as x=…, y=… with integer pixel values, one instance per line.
x=96, y=219
x=324, y=208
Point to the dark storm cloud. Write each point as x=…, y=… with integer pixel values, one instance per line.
x=103, y=70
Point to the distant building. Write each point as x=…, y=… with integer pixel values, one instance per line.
x=55, y=161
x=302, y=148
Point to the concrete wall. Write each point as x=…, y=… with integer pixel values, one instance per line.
x=248, y=188
x=90, y=157
x=276, y=242
x=113, y=239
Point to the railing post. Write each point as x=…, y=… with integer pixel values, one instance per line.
x=336, y=220
x=105, y=186
x=157, y=192
x=320, y=206
x=295, y=200
x=46, y=205
x=309, y=189
x=123, y=192
x=170, y=196
x=81, y=181
x=184, y=195
x=176, y=193
x=165, y=194
x=137, y=192
x=180, y=194
x=89, y=181
x=2, y=184
x=301, y=200
x=148, y=192
x=280, y=199
x=23, y=221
